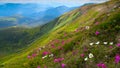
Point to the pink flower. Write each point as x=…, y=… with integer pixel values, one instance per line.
x=96, y=23
x=82, y=55
x=53, y=46
x=118, y=45
x=97, y=33
x=58, y=59
x=102, y=65
x=77, y=30
x=110, y=47
x=63, y=42
x=34, y=55
x=63, y=65
x=28, y=56
x=45, y=53
x=117, y=58
x=38, y=66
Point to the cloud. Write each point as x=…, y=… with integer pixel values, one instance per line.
x=52, y=2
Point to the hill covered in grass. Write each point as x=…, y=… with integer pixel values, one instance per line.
x=88, y=37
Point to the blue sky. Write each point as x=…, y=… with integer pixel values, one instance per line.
x=54, y=2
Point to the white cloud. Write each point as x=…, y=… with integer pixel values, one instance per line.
x=52, y=2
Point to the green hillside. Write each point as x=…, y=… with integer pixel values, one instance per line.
x=15, y=39
x=88, y=37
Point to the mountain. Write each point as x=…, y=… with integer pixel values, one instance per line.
x=33, y=18
x=87, y=37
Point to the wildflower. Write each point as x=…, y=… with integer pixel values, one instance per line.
x=38, y=66
x=86, y=59
x=58, y=59
x=53, y=46
x=118, y=45
x=45, y=53
x=91, y=55
x=63, y=65
x=96, y=23
x=87, y=27
x=51, y=55
x=105, y=43
x=97, y=33
x=97, y=43
x=63, y=42
x=110, y=47
x=82, y=55
x=76, y=30
x=117, y=58
x=102, y=65
x=34, y=55
x=28, y=56
x=111, y=43
x=39, y=49
x=44, y=57
x=91, y=44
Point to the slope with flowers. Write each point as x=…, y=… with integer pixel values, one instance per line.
x=88, y=37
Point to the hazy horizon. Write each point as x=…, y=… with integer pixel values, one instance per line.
x=68, y=3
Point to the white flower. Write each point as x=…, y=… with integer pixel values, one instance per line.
x=97, y=42
x=105, y=43
x=91, y=55
x=111, y=43
x=87, y=27
x=86, y=59
x=91, y=44
x=44, y=57
x=39, y=49
x=51, y=55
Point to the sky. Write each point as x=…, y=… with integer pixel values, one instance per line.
x=54, y=2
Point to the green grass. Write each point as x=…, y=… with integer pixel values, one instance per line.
x=109, y=31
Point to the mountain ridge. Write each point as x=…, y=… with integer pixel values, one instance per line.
x=70, y=38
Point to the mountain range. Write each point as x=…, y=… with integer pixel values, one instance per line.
x=29, y=14
x=86, y=37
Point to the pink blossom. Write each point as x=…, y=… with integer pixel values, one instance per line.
x=77, y=30
x=45, y=53
x=110, y=47
x=63, y=42
x=58, y=59
x=97, y=33
x=53, y=46
x=118, y=45
x=102, y=65
x=117, y=58
x=63, y=65
x=34, y=55
x=38, y=66
x=96, y=23
x=82, y=55
x=28, y=56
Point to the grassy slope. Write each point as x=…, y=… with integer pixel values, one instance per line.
x=108, y=27
x=15, y=39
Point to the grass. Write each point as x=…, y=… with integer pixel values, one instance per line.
x=78, y=42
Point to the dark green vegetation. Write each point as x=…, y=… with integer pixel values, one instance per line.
x=73, y=39
x=14, y=38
